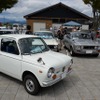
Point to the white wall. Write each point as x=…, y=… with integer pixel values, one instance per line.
x=38, y=26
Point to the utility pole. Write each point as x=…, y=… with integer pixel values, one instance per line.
x=4, y=19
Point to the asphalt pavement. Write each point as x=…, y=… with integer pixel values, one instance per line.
x=83, y=83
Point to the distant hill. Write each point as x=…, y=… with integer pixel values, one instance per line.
x=4, y=20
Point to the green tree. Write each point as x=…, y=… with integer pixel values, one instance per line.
x=4, y=4
x=95, y=4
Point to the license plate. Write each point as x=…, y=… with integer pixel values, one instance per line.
x=63, y=75
x=89, y=51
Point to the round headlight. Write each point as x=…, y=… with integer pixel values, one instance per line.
x=55, y=46
x=71, y=62
x=78, y=47
x=81, y=47
x=96, y=47
x=50, y=72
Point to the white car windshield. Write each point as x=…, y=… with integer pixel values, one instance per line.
x=45, y=35
x=32, y=45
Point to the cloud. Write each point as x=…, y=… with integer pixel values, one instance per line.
x=79, y=6
x=24, y=7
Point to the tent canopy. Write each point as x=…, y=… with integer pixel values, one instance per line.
x=71, y=23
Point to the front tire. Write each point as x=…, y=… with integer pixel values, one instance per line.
x=31, y=84
x=71, y=51
x=58, y=49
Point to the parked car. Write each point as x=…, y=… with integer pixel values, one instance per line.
x=2, y=27
x=98, y=40
x=50, y=39
x=8, y=31
x=29, y=59
x=81, y=43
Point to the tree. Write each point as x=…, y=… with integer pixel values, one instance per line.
x=4, y=4
x=95, y=4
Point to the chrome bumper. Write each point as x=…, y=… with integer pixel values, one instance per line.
x=52, y=82
x=86, y=51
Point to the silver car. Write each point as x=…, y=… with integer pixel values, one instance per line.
x=98, y=40
x=81, y=43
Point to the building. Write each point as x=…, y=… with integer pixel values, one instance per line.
x=54, y=16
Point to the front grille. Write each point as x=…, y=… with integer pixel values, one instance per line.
x=89, y=47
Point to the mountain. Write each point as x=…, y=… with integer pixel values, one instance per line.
x=5, y=20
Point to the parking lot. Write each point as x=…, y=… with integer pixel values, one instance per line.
x=82, y=84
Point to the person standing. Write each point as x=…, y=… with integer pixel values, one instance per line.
x=60, y=35
x=28, y=30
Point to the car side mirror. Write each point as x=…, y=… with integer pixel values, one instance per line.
x=40, y=60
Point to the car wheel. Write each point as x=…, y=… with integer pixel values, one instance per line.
x=31, y=84
x=58, y=49
x=72, y=53
x=65, y=47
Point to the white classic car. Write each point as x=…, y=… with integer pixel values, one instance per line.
x=49, y=38
x=29, y=59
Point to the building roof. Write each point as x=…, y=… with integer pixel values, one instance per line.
x=59, y=10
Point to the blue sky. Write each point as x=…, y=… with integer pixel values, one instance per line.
x=24, y=7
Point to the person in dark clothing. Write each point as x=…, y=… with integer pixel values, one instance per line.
x=65, y=31
x=60, y=34
x=29, y=30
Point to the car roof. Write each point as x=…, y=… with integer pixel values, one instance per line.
x=2, y=27
x=7, y=30
x=17, y=36
x=43, y=31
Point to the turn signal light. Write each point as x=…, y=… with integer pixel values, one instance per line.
x=54, y=76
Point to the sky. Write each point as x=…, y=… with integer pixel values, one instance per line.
x=24, y=7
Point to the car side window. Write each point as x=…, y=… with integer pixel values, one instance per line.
x=9, y=46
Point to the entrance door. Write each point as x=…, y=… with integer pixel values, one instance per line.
x=37, y=26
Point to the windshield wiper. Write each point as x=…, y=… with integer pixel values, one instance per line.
x=25, y=53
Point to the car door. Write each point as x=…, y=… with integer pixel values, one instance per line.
x=67, y=40
x=10, y=59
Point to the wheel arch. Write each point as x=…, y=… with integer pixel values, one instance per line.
x=70, y=47
x=28, y=73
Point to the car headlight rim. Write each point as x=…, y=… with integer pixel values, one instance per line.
x=81, y=47
x=55, y=46
x=71, y=62
x=78, y=47
x=50, y=72
x=98, y=48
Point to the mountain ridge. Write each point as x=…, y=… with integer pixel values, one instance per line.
x=5, y=20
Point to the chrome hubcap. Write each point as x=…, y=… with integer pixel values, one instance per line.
x=30, y=85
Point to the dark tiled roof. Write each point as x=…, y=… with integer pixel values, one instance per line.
x=59, y=10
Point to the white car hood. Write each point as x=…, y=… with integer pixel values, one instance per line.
x=50, y=58
x=51, y=41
